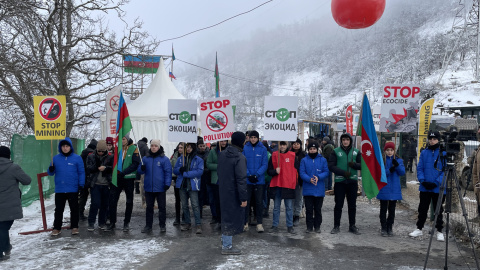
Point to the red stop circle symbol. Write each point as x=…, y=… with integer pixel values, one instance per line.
x=217, y=121
x=50, y=109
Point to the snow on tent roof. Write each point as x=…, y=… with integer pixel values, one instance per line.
x=154, y=100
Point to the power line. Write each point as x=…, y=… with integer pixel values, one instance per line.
x=250, y=81
x=240, y=14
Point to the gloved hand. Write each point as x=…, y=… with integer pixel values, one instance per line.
x=183, y=169
x=166, y=187
x=143, y=167
x=392, y=169
x=120, y=174
x=348, y=174
x=429, y=185
x=351, y=164
x=253, y=179
x=395, y=162
x=51, y=168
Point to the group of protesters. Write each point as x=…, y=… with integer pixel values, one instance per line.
x=237, y=178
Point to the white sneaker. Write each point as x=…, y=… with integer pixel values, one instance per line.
x=245, y=228
x=416, y=233
x=440, y=237
x=260, y=228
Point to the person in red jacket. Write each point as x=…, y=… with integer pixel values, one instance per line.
x=281, y=167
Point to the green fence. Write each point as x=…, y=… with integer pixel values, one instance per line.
x=34, y=157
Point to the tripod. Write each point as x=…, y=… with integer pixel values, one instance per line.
x=449, y=179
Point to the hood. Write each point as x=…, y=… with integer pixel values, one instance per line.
x=346, y=135
x=67, y=139
x=5, y=163
x=233, y=151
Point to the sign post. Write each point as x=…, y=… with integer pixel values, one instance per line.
x=50, y=118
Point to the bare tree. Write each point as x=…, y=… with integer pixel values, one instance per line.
x=63, y=47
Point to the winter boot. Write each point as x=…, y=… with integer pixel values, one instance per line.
x=390, y=229
x=384, y=231
x=296, y=220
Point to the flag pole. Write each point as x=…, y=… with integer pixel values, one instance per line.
x=394, y=153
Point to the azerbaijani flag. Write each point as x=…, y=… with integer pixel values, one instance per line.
x=173, y=55
x=217, y=78
x=144, y=64
x=373, y=169
x=124, y=125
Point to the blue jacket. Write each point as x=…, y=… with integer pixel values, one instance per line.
x=158, y=173
x=393, y=190
x=426, y=170
x=69, y=170
x=310, y=167
x=257, y=161
x=194, y=173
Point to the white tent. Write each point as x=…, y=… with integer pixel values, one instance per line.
x=149, y=112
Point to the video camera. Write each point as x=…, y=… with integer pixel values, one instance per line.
x=450, y=143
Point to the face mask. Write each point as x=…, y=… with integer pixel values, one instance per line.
x=312, y=155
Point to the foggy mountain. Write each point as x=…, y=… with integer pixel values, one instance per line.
x=330, y=67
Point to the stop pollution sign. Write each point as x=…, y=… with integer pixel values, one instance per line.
x=49, y=117
x=216, y=119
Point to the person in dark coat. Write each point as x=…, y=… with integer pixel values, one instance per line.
x=203, y=196
x=10, y=198
x=298, y=204
x=392, y=192
x=232, y=170
x=143, y=150
x=84, y=192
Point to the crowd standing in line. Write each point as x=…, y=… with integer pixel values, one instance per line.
x=236, y=180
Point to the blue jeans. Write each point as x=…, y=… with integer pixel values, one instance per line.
x=193, y=195
x=226, y=241
x=297, y=210
x=98, y=204
x=288, y=209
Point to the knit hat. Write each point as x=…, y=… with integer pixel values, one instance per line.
x=109, y=140
x=389, y=145
x=5, y=152
x=144, y=139
x=326, y=138
x=254, y=133
x=238, y=138
x=313, y=144
x=433, y=134
x=155, y=142
x=200, y=140
x=102, y=145
x=299, y=141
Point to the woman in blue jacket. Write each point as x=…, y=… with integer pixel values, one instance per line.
x=158, y=177
x=430, y=176
x=313, y=171
x=392, y=192
x=189, y=170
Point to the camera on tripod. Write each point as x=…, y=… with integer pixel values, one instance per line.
x=450, y=144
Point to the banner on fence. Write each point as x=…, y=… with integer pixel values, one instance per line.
x=399, y=108
x=182, y=120
x=217, y=121
x=280, y=118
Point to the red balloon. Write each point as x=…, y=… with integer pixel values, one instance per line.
x=356, y=14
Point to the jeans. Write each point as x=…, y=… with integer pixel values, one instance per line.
x=227, y=241
x=425, y=198
x=390, y=206
x=193, y=195
x=129, y=186
x=161, y=198
x=99, y=195
x=5, y=236
x=343, y=190
x=297, y=209
x=328, y=182
x=216, y=196
x=211, y=202
x=313, y=209
x=257, y=191
x=60, y=200
x=288, y=209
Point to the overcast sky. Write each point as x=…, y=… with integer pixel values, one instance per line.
x=169, y=19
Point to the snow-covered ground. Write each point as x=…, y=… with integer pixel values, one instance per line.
x=41, y=251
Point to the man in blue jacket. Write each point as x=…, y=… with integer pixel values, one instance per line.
x=189, y=170
x=430, y=176
x=69, y=178
x=257, y=164
x=158, y=177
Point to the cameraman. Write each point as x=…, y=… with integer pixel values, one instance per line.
x=430, y=176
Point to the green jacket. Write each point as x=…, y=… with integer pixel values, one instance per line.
x=338, y=163
x=212, y=162
x=127, y=162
